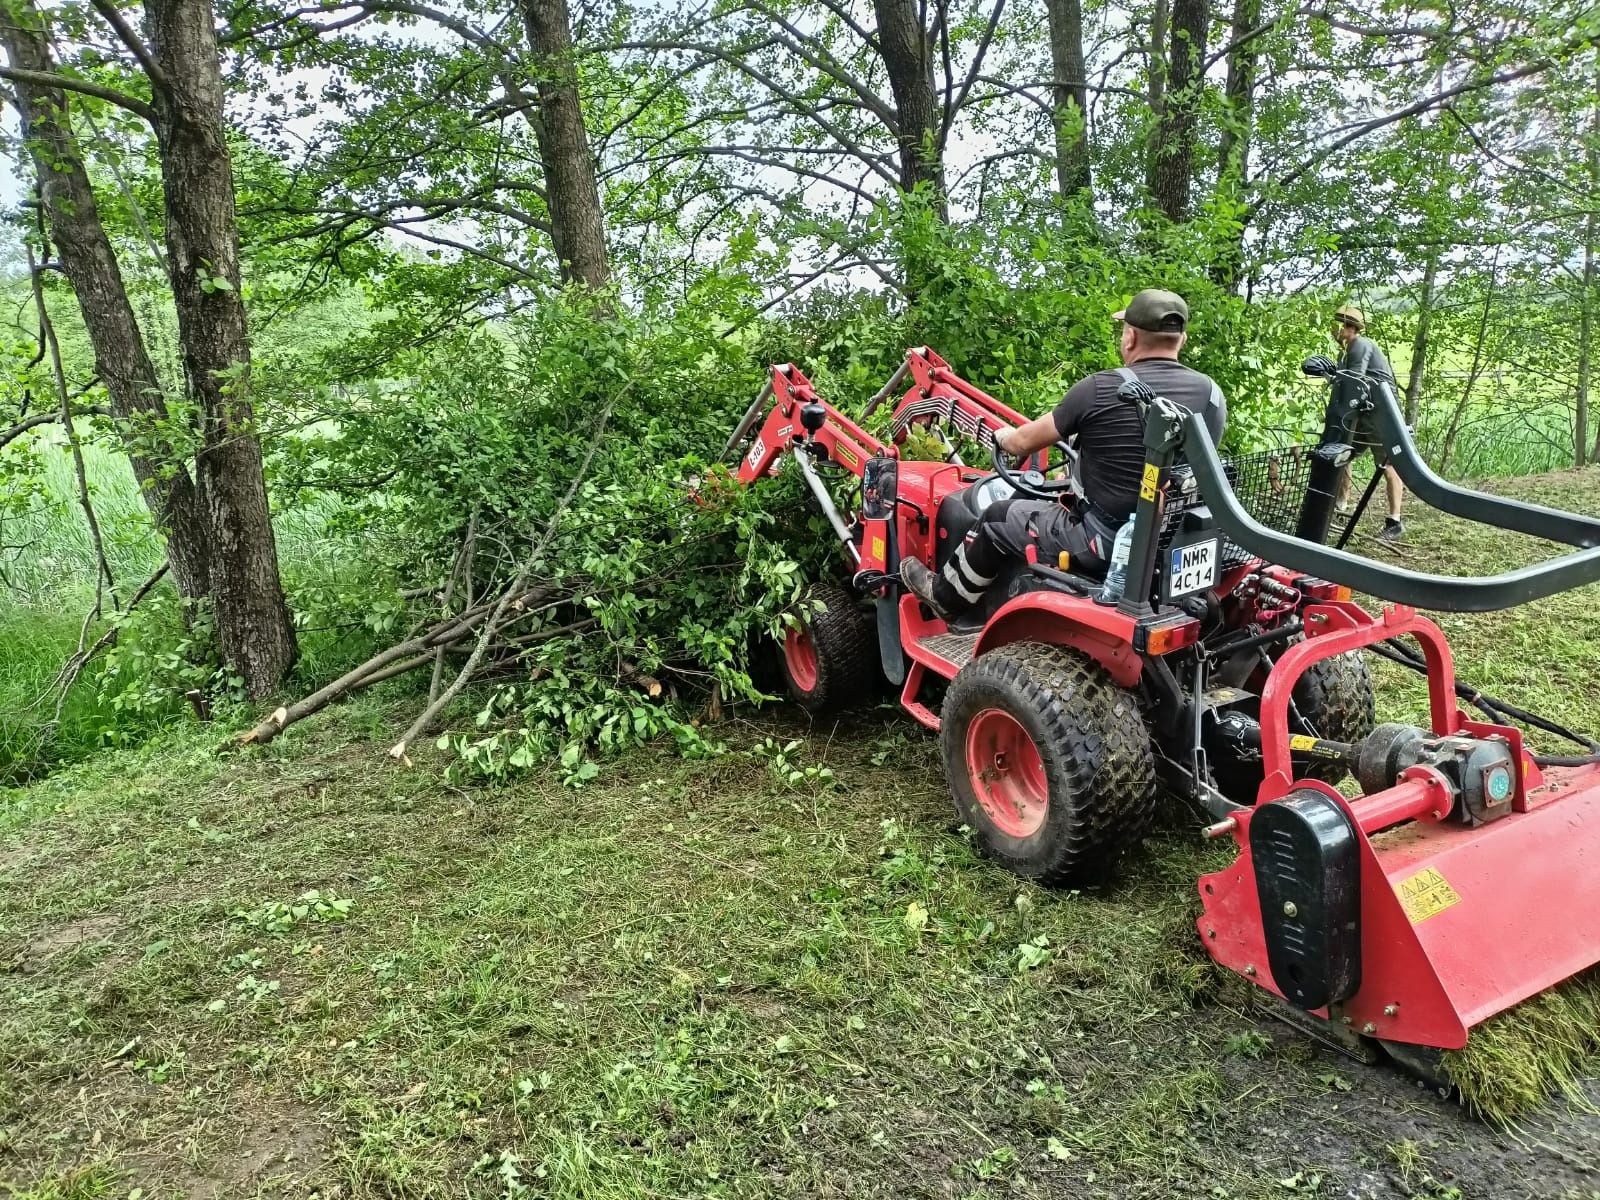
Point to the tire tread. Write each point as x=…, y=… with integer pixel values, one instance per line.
x=1094, y=743
x=846, y=642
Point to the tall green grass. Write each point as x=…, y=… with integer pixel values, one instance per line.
x=1496, y=440
x=47, y=572
x=48, y=548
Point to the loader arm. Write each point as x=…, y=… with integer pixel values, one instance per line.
x=937, y=394
x=783, y=428
x=801, y=425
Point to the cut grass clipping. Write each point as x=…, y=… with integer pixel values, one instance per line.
x=1545, y=1045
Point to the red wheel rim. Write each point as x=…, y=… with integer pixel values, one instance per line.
x=1007, y=773
x=800, y=656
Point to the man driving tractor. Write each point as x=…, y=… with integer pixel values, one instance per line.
x=1110, y=433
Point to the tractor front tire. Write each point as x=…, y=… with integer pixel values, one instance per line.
x=1048, y=761
x=829, y=657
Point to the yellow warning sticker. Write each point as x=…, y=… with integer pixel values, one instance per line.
x=877, y=549
x=1426, y=894
x=846, y=455
x=1300, y=741
x=1147, y=488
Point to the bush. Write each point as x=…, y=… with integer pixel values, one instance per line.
x=660, y=568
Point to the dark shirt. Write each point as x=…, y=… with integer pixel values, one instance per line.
x=1344, y=420
x=1111, y=431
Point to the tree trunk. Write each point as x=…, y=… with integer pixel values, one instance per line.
x=1238, y=125
x=1233, y=147
x=1071, y=99
x=1477, y=368
x=908, y=57
x=1157, y=86
x=1173, y=168
x=86, y=257
x=1159, y=15
x=253, y=626
x=1580, y=438
x=577, y=224
x=1419, y=340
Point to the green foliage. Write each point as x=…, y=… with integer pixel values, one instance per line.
x=1024, y=311
x=164, y=651
x=671, y=563
x=280, y=917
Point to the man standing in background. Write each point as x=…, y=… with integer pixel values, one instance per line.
x=1346, y=420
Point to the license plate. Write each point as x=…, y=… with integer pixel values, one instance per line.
x=1192, y=568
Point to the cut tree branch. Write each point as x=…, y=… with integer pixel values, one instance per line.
x=421, y=724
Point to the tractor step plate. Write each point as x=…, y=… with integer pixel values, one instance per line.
x=955, y=648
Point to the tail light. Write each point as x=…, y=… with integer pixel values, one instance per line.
x=1165, y=635
x=1321, y=589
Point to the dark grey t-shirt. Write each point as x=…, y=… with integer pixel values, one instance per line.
x=1111, y=432
x=1345, y=419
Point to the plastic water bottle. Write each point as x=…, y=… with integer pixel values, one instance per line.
x=1117, y=572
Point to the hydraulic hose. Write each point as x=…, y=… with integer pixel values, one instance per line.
x=1500, y=711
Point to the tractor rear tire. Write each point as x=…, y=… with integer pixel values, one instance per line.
x=829, y=659
x=1335, y=698
x=1049, y=761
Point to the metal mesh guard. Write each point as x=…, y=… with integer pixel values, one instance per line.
x=1270, y=484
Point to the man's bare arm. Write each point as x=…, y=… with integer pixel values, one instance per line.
x=1032, y=437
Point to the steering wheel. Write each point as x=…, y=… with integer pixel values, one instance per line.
x=1033, y=483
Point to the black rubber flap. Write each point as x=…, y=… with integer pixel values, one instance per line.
x=889, y=650
x=1307, y=861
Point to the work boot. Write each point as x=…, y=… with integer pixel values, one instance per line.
x=923, y=584
x=1392, y=530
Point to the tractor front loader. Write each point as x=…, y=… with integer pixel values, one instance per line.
x=1463, y=878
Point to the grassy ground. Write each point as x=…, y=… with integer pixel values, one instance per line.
x=300, y=971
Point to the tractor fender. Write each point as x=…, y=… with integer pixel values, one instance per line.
x=1098, y=630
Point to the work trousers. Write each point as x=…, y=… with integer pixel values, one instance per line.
x=1003, y=535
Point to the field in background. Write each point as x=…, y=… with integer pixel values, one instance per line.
x=779, y=972
x=47, y=568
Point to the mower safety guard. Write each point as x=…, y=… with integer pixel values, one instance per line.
x=1443, y=593
x=1457, y=923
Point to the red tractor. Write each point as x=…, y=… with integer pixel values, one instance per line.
x=1230, y=675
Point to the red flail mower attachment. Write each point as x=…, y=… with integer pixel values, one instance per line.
x=1466, y=877
x=1463, y=882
